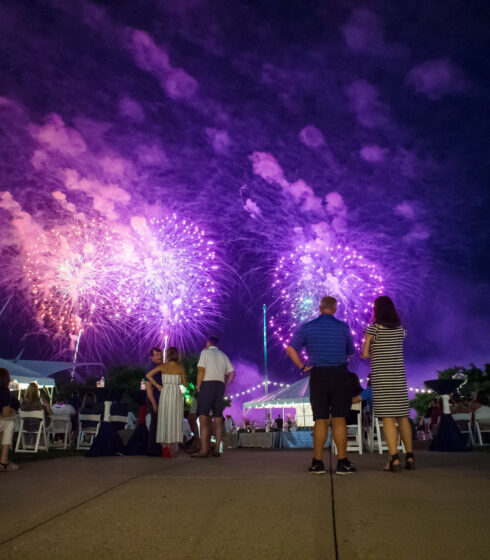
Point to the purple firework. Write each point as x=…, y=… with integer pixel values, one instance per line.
x=175, y=281
x=311, y=271
x=75, y=277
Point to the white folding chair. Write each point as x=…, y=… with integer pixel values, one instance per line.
x=30, y=442
x=463, y=420
x=89, y=432
x=60, y=425
x=354, y=432
x=377, y=438
x=482, y=422
x=119, y=419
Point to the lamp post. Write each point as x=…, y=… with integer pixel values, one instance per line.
x=266, y=376
x=265, y=350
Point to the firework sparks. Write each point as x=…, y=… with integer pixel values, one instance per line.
x=176, y=281
x=309, y=272
x=76, y=279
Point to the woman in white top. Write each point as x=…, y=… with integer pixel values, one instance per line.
x=171, y=402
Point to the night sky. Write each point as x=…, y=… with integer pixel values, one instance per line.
x=270, y=124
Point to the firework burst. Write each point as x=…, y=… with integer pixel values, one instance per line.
x=75, y=276
x=176, y=282
x=309, y=272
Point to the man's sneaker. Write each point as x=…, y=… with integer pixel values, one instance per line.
x=344, y=466
x=317, y=467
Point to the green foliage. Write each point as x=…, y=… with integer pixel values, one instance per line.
x=421, y=402
x=125, y=378
x=66, y=388
x=478, y=379
x=189, y=361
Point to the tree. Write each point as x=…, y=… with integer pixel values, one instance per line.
x=477, y=380
x=125, y=378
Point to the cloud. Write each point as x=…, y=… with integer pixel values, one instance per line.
x=152, y=155
x=104, y=197
x=371, y=112
x=219, y=139
x=252, y=208
x=406, y=209
x=408, y=163
x=418, y=233
x=324, y=234
x=131, y=109
x=363, y=32
x=55, y=136
x=176, y=82
x=336, y=208
x=26, y=228
x=413, y=213
x=61, y=198
x=115, y=167
x=266, y=166
x=179, y=84
x=437, y=78
x=312, y=136
x=373, y=153
x=39, y=159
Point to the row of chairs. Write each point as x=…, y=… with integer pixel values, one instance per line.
x=43, y=437
x=481, y=424
x=372, y=434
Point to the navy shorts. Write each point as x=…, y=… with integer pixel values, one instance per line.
x=330, y=392
x=210, y=399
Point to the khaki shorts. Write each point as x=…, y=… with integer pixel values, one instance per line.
x=7, y=430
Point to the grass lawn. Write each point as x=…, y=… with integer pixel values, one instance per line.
x=53, y=453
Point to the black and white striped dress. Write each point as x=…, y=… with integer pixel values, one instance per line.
x=388, y=379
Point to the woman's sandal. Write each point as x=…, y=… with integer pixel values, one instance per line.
x=392, y=467
x=409, y=465
x=8, y=467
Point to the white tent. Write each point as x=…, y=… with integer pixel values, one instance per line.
x=295, y=396
x=23, y=372
x=20, y=376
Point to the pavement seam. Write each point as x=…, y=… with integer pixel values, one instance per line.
x=80, y=504
x=332, y=501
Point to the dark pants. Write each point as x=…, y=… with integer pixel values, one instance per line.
x=330, y=392
x=153, y=447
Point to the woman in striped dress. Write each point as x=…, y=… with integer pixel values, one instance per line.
x=171, y=402
x=383, y=344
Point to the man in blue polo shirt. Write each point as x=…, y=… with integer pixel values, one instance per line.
x=329, y=344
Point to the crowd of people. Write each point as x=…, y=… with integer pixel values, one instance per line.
x=333, y=388
x=429, y=421
x=214, y=374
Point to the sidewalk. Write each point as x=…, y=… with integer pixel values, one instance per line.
x=248, y=503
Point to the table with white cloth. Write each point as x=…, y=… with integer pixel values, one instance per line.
x=264, y=440
x=270, y=440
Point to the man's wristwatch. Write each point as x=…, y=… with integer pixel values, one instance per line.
x=303, y=368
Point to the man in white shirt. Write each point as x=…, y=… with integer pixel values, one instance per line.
x=214, y=374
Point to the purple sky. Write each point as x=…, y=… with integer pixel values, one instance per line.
x=269, y=124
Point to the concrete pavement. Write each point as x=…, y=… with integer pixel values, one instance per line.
x=248, y=503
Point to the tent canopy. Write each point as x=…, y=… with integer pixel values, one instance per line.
x=295, y=394
x=27, y=371
x=24, y=376
x=48, y=368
